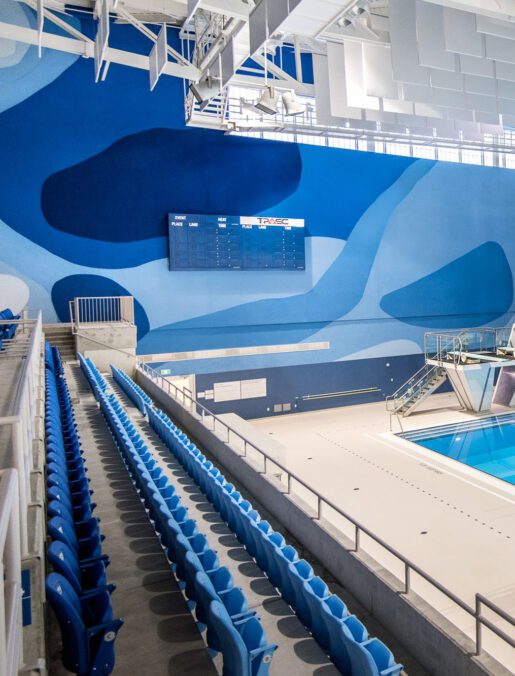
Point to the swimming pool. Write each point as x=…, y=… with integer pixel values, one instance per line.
x=487, y=444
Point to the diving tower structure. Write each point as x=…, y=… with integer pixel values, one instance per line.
x=469, y=359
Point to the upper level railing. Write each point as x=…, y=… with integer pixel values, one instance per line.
x=451, y=346
x=320, y=504
x=10, y=574
x=20, y=424
x=101, y=309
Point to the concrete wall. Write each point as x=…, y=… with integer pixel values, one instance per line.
x=108, y=344
x=436, y=643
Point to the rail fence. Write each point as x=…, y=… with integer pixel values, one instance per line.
x=215, y=424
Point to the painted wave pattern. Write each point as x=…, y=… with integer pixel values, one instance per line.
x=394, y=246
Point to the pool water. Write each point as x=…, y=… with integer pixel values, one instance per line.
x=487, y=444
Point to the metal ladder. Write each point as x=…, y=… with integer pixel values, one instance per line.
x=425, y=381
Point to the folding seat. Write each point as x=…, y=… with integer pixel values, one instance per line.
x=80, y=511
x=209, y=560
x=271, y=544
x=299, y=572
x=245, y=650
x=245, y=534
x=315, y=592
x=259, y=532
x=221, y=580
x=333, y=612
x=87, y=627
x=85, y=548
x=229, y=500
x=189, y=565
x=372, y=658
x=238, y=516
x=59, y=508
x=203, y=476
x=81, y=576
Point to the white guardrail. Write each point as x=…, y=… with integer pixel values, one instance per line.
x=10, y=574
x=218, y=426
x=102, y=309
x=22, y=422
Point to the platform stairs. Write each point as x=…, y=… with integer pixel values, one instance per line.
x=414, y=391
x=61, y=336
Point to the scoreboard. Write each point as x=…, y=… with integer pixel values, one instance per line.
x=199, y=242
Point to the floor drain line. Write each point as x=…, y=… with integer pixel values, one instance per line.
x=387, y=471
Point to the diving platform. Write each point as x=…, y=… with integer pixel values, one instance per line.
x=479, y=364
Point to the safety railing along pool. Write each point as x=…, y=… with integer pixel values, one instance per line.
x=215, y=424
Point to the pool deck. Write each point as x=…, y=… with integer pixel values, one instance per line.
x=454, y=522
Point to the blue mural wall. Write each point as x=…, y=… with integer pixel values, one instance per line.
x=88, y=172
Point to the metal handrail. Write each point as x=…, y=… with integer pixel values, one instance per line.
x=101, y=309
x=11, y=630
x=359, y=528
x=23, y=423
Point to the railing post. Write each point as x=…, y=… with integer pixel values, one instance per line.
x=479, y=636
x=356, y=537
x=319, y=508
x=407, y=578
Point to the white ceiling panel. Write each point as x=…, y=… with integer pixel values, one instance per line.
x=404, y=50
x=460, y=33
x=473, y=65
x=378, y=76
x=430, y=37
x=505, y=71
x=445, y=80
x=496, y=27
x=500, y=49
x=355, y=78
x=505, y=89
x=396, y=106
x=335, y=75
x=485, y=104
x=480, y=85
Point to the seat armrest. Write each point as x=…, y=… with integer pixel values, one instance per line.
x=391, y=670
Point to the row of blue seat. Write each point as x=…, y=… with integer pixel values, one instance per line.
x=343, y=637
x=232, y=628
x=7, y=331
x=77, y=589
x=138, y=396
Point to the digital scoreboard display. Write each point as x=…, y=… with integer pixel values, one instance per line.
x=199, y=242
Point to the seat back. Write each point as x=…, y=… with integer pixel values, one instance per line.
x=64, y=561
x=67, y=608
x=232, y=647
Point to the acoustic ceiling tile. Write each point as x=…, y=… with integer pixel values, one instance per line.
x=473, y=65
x=480, y=85
x=506, y=106
x=355, y=77
x=378, y=76
x=500, y=49
x=445, y=80
x=430, y=36
x=444, y=97
x=505, y=89
x=486, y=104
x=404, y=50
x=460, y=34
x=460, y=114
x=505, y=71
x=496, y=27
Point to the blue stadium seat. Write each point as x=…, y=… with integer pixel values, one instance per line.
x=81, y=576
x=372, y=658
x=87, y=626
x=316, y=592
x=299, y=572
x=245, y=649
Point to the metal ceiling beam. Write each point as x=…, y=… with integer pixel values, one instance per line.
x=64, y=25
x=86, y=49
x=143, y=28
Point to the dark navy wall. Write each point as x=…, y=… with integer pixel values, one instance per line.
x=330, y=385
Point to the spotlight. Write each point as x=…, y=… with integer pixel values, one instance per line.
x=268, y=101
x=292, y=105
x=205, y=90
